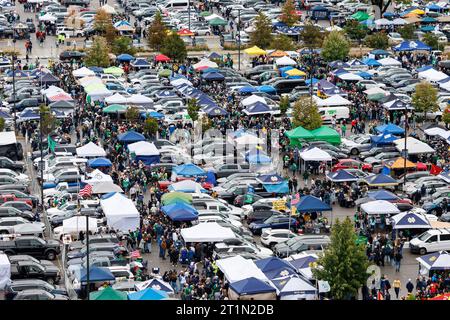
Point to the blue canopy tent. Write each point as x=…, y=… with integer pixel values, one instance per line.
x=188, y=170
x=364, y=75
x=356, y=63
x=215, y=111
x=99, y=162
x=205, y=100
x=180, y=212
x=294, y=286
x=427, y=28
x=383, y=139
x=211, y=178
x=152, y=114
x=302, y=262
x=415, y=45
x=380, y=52
x=310, y=51
x=251, y=286
x=17, y=74
x=435, y=7
x=148, y=294
x=368, y=23
x=258, y=159
x=208, y=70
x=284, y=69
x=445, y=175
x=312, y=204
x=389, y=15
x=277, y=188
x=122, y=23
x=290, y=31
x=380, y=180
x=313, y=81
x=435, y=261
x=270, y=178
x=158, y=284
x=96, y=274
x=125, y=57
x=213, y=76
x=274, y=267
x=390, y=128
x=214, y=55
x=96, y=69
x=338, y=64
x=165, y=94
x=410, y=220
x=257, y=108
x=424, y=68
x=339, y=71
x=29, y=114
x=372, y=62
x=140, y=63
x=341, y=176
x=279, y=24
x=428, y=20
x=247, y=89
x=382, y=195
x=131, y=136
x=267, y=89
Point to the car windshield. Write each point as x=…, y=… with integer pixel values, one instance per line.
x=424, y=236
x=395, y=35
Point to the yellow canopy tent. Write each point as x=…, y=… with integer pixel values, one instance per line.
x=278, y=53
x=295, y=72
x=255, y=51
x=400, y=164
x=417, y=11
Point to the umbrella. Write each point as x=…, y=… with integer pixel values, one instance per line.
x=172, y=197
x=267, y=89
x=125, y=57
x=185, y=32
x=162, y=58
x=217, y=22
x=205, y=13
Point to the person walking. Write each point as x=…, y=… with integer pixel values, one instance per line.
x=409, y=286
x=397, y=285
x=397, y=258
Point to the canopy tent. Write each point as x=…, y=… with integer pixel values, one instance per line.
x=176, y=197
x=125, y=57
x=272, y=178
x=379, y=207
x=257, y=108
x=140, y=99
x=382, y=195
x=180, y=211
x=106, y=187
x=349, y=76
x=375, y=93
x=207, y=232
x=238, y=268
x=380, y=180
x=213, y=76
x=188, y=170
x=294, y=288
x=91, y=150
x=115, y=108
x=251, y=289
x=267, y=89
x=274, y=267
x=155, y=283
x=130, y=136
x=436, y=131
x=383, y=139
x=255, y=51
x=302, y=263
x=96, y=274
x=148, y=294
x=315, y=154
x=371, y=62
x=415, y=45
x=217, y=22
x=29, y=114
x=327, y=134
x=76, y=224
x=341, y=176
x=140, y=63
x=144, y=151
x=83, y=72
x=390, y=128
x=335, y=100
x=116, y=98
x=297, y=134
x=360, y=16
x=286, y=61
x=410, y=220
x=252, y=100
x=187, y=186
x=120, y=212
x=435, y=261
x=5, y=271
x=399, y=163
x=108, y=294
x=432, y=75
x=389, y=62
x=114, y=71
x=205, y=63
x=99, y=162
x=62, y=104
x=414, y=146
x=312, y=204
x=162, y=58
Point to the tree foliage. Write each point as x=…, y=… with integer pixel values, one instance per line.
x=151, y=126
x=344, y=263
x=98, y=54
x=377, y=40
x=284, y=104
x=101, y=21
x=446, y=116
x=262, y=36
x=206, y=123
x=425, y=98
x=132, y=114
x=355, y=30
x=47, y=120
x=282, y=42
x=407, y=31
x=306, y=114
x=192, y=109
x=174, y=47
x=122, y=45
x=110, y=34
x=311, y=36
x=289, y=13
x=335, y=46
x=157, y=32
x=2, y=124
x=431, y=40
x=383, y=5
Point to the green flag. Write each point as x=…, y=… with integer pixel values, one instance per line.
x=51, y=144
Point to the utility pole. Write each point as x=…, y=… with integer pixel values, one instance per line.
x=405, y=155
x=41, y=147
x=87, y=256
x=239, y=39
x=189, y=14
x=14, y=84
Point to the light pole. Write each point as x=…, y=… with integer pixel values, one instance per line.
x=239, y=39
x=14, y=83
x=87, y=256
x=189, y=14
x=405, y=155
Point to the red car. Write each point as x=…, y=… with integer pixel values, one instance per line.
x=351, y=164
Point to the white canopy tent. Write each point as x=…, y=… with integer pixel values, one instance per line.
x=315, y=154
x=285, y=61
x=91, y=150
x=5, y=271
x=205, y=63
x=106, y=187
x=432, y=75
x=83, y=72
x=253, y=99
x=143, y=148
x=379, y=207
x=350, y=77
x=437, y=132
x=116, y=98
x=76, y=224
x=97, y=177
x=140, y=99
x=120, y=212
x=382, y=22
x=389, y=62
x=207, y=232
x=399, y=22
x=248, y=139
x=375, y=90
x=85, y=81
x=238, y=268
x=334, y=100
x=213, y=16
x=180, y=81
x=414, y=146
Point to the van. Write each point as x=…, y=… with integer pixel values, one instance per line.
x=328, y=113
x=287, y=85
x=177, y=5
x=431, y=241
x=10, y=147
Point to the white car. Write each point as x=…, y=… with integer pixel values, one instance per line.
x=19, y=225
x=271, y=237
x=18, y=176
x=369, y=84
x=395, y=38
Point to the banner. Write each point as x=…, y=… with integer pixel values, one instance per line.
x=51, y=144
x=279, y=205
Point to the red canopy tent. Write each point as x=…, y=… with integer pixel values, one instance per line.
x=162, y=58
x=62, y=96
x=185, y=32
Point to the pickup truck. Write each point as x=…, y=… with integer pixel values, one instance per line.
x=33, y=246
x=29, y=269
x=226, y=170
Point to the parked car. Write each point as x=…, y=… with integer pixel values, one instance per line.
x=38, y=294
x=271, y=237
x=16, y=286
x=274, y=222
x=33, y=246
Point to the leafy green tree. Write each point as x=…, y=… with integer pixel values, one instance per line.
x=431, y=40
x=425, y=98
x=407, y=31
x=344, y=263
x=2, y=124
x=306, y=114
x=335, y=46
x=192, y=109
x=151, y=127
x=206, y=123
x=174, y=47
x=110, y=34
x=262, y=36
x=101, y=21
x=284, y=104
x=98, y=54
x=122, y=45
x=383, y=5
x=157, y=32
x=289, y=13
x=311, y=36
x=446, y=117
x=377, y=40
x=282, y=42
x=132, y=114
x=355, y=30
x=47, y=120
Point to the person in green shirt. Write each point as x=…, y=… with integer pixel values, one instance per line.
x=343, y=129
x=306, y=177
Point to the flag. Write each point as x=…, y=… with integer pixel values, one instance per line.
x=51, y=143
x=386, y=171
x=86, y=191
x=295, y=199
x=435, y=170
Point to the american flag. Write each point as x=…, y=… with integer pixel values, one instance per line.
x=86, y=191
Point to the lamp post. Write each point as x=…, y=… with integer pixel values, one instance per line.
x=405, y=154
x=41, y=147
x=87, y=257
x=14, y=83
x=239, y=39
x=189, y=14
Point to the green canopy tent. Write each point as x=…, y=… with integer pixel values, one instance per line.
x=116, y=71
x=108, y=294
x=173, y=197
x=360, y=16
x=217, y=22
x=205, y=13
x=328, y=134
x=376, y=96
x=165, y=73
x=297, y=134
x=115, y=108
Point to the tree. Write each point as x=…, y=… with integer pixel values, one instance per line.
x=122, y=45
x=377, y=40
x=132, y=114
x=407, y=31
x=111, y=34
x=192, y=109
x=2, y=124
x=101, y=21
x=446, y=117
x=311, y=36
x=383, y=5
x=355, y=30
x=425, y=98
x=289, y=13
x=344, y=263
x=335, y=46
x=47, y=121
x=306, y=114
x=262, y=36
x=282, y=42
x=174, y=47
x=431, y=40
x=284, y=104
x=98, y=54
x=157, y=32
x=151, y=126
x=206, y=124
